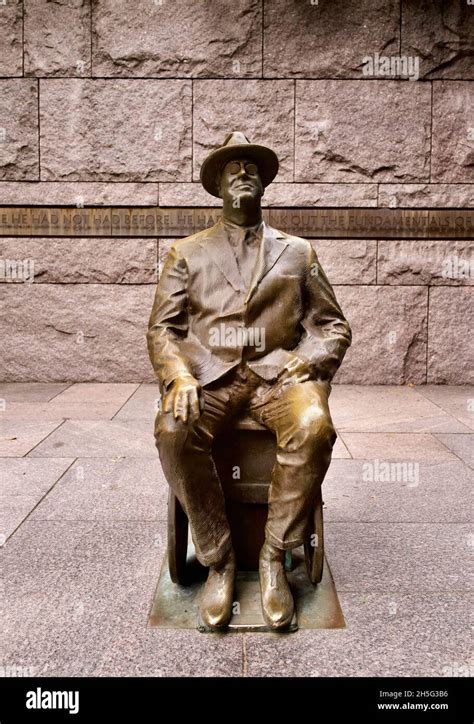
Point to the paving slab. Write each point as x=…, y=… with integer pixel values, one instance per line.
x=85, y=612
x=142, y=405
x=457, y=400
x=340, y=449
x=460, y=445
x=382, y=408
x=84, y=392
x=370, y=491
x=24, y=483
x=108, y=489
x=101, y=568
x=157, y=652
x=60, y=409
x=18, y=437
x=398, y=446
x=386, y=634
x=409, y=557
x=100, y=439
x=31, y=391
x=82, y=568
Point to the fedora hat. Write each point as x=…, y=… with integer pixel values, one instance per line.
x=235, y=146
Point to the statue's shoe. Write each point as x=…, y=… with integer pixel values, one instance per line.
x=277, y=601
x=217, y=597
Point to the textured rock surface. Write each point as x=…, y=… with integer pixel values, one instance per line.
x=135, y=135
x=11, y=51
x=277, y=194
x=450, y=348
x=183, y=38
x=18, y=130
x=362, y=131
x=93, y=332
x=459, y=196
x=185, y=194
x=441, y=34
x=57, y=37
x=425, y=262
x=347, y=261
x=125, y=130
x=389, y=334
x=301, y=194
x=57, y=193
x=453, y=132
x=327, y=40
x=108, y=261
x=263, y=110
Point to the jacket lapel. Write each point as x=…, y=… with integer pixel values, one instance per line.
x=217, y=246
x=272, y=247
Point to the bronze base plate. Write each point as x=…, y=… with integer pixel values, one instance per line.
x=175, y=606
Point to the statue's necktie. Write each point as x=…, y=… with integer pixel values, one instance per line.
x=247, y=251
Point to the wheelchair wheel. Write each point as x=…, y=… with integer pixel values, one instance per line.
x=177, y=539
x=314, y=546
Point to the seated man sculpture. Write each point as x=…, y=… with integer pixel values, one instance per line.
x=244, y=319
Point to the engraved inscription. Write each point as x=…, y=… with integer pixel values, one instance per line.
x=170, y=222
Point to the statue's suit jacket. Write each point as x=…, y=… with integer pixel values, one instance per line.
x=290, y=297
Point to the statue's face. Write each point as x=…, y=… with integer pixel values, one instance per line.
x=240, y=182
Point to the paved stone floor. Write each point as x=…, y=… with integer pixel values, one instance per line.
x=83, y=528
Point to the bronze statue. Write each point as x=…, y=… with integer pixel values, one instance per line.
x=244, y=318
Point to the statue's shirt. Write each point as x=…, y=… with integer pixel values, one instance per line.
x=245, y=242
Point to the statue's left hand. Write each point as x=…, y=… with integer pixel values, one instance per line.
x=183, y=399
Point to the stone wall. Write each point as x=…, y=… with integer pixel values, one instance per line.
x=367, y=103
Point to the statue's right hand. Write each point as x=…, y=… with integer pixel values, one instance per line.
x=182, y=399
